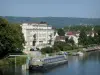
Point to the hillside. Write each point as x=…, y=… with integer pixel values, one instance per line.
x=55, y=21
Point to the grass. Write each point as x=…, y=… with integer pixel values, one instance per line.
x=4, y=62
x=11, y=61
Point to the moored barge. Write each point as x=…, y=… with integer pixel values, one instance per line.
x=47, y=63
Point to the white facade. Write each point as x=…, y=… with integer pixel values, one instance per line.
x=37, y=35
x=75, y=37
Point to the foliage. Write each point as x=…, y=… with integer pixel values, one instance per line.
x=88, y=40
x=71, y=41
x=63, y=46
x=67, y=47
x=78, y=28
x=83, y=38
x=60, y=45
x=91, y=40
x=11, y=38
x=56, y=48
x=67, y=40
x=61, y=32
x=47, y=50
x=11, y=61
x=98, y=37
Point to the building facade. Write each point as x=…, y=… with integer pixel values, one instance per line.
x=37, y=35
x=73, y=35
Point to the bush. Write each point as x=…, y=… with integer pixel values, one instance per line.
x=67, y=47
x=47, y=50
x=75, y=47
x=56, y=48
x=60, y=45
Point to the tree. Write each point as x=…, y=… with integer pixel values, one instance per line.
x=96, y=39
x=71, y=41
x=91, y=40
x=11, y=38
x=60, y=44
x=47, y=50
x=67, y=47
x=83, y=38
x=56, y=48
x=67, y=40
x=78, y=27
x=98, y=36
x=61, y=32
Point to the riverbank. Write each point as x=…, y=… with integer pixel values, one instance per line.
x=76, y=51
x=68, y=52
x=22, y=59
x=11, y=61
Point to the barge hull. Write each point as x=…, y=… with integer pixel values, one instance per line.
x=46, y=67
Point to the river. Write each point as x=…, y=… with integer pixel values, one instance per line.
x=86, y=65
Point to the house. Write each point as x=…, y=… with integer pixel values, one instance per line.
x=37, y=35
x=73, y=35
x=60, y=38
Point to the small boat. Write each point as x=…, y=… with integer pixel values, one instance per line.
x=47, y=63
x=75, y=54
x=80, y=53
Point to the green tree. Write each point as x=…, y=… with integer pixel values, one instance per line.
x=83, y=38
x=11, y=38
x=96, y=39
x=77, y=27
x=47, y=50
x=56, y=48
x=98, y=36
x=91, y=40
x=67, y=40
x=67, y=47
x=60, y=44
x=71, y=41
x=61, y=32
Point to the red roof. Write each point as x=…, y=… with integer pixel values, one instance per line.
x=69, y=33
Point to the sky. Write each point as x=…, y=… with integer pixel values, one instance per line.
x=50, y=8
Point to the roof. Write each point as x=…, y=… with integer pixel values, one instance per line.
x=72, y=33
x=69, y=33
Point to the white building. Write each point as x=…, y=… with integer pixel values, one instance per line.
x=37, y=35
x=74, y=36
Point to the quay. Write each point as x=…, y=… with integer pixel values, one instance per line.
x=95, y=48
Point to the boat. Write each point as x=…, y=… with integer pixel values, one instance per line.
x=80, y=53
x=75, y=54
x=47, y=63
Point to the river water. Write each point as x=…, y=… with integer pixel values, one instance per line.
x=86, y=65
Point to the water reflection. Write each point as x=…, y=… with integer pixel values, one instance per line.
x=56, y=69
x=7, y=70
